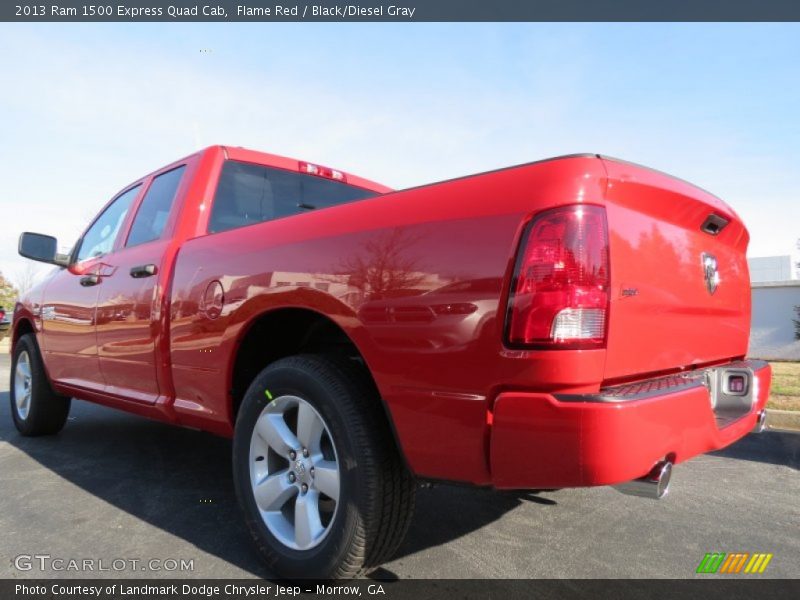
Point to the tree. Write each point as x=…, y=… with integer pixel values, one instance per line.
x=8, y=293
x=797, y=322
x=26, y=277
x=384, y=268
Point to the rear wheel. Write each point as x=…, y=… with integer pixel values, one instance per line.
x=35, y=407
x=322, y=486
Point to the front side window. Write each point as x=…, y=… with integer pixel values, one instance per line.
x=249, y=193
x=148, y=225
x=99, y=239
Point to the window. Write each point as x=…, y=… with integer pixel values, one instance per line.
x=99, y=238
x=249, y=194
x=148, y=225
x=470, y=285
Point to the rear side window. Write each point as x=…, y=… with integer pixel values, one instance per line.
x=249, y=194
x=99, y=238
x=155, y=207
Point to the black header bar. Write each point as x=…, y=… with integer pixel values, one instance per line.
x=711, y=588
x=403, y=11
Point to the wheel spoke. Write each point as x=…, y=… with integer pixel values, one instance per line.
x=326, y=478
x=275, y=432
x=23, y=369
x=259, y=446
x=274, y=491
x=307, y=523
x=309, y=427
x=22, y=385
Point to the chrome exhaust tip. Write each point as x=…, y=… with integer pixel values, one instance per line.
x=654, y=485
x=761, y=422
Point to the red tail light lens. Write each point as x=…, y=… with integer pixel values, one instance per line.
x=2, y=314
x=559, y=294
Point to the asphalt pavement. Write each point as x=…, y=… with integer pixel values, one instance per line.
x=115, y=487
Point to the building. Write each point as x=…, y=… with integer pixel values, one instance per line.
x=775, y=290
x=765, y=269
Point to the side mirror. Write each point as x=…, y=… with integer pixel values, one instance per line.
x=43, y=248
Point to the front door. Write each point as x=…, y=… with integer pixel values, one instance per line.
x=68, y=337
x=69, y=313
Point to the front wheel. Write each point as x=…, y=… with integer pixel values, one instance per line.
x=323, y=489
x=35, y=407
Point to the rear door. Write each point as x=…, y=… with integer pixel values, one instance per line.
x=128, y=303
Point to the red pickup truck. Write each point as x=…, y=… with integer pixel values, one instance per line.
x=578, y=321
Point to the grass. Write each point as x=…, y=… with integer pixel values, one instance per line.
x=785, y=392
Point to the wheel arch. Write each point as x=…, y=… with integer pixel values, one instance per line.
x=22, y=326
x=280, y=332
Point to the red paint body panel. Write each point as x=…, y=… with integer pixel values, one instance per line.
x=68, y=340
x=461, y=402
x=124, y=326
x=656, y=246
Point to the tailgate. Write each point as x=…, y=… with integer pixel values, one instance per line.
x=680, y=293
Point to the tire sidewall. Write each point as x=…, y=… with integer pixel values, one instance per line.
x=23, y=345
x=323, y=559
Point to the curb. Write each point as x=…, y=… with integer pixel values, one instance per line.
x=783, y=419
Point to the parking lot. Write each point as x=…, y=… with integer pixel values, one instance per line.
x=115, y=486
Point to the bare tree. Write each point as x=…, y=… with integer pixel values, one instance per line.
x=797, y=322
x=384, y=266
x=26, y=278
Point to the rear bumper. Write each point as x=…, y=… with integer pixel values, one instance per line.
x=542, y=441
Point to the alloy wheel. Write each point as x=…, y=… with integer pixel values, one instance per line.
x=294, y=472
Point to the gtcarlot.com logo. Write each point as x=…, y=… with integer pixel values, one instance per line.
x=46, y=562
x=734, y=562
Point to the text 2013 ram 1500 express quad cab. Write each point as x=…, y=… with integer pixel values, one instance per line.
x=578, y=321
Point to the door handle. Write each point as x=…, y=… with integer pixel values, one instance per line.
x=143, y=271
x=90, y=280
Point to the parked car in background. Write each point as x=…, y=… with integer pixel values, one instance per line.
x=578, y=321
x=5, y=323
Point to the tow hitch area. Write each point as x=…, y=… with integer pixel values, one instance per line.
x=733, y=390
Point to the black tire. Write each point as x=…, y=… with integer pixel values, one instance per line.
x=376, y=490
x=46, y=411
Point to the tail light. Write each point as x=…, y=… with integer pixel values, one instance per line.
x=559, y=292
x=2, y=314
